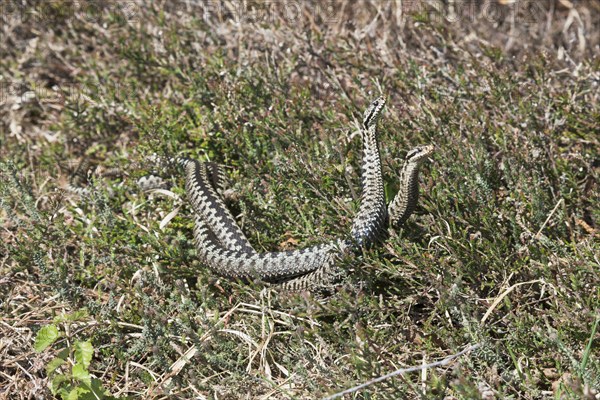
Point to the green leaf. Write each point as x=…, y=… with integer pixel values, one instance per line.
x=64, y=392
x=81, y=374
x=75, y=316
x=64, y=353
x=45, y=337
x=54, y=364
x=57, y=382
x=96, y=391
x=588, y=348
x=84, y=352
x=78, y=392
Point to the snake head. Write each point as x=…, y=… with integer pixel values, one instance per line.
x=373, y=112
x=419, y=153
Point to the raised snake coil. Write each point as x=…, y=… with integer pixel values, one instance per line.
x=222, y=246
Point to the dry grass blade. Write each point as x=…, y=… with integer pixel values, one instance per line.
x=502, y=295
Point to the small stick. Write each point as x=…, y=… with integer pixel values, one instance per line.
x=402, y=371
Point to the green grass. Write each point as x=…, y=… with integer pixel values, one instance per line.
x=509, y=206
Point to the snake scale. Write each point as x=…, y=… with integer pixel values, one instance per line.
x=222, y=246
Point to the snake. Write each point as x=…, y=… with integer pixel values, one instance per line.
x=222, y=246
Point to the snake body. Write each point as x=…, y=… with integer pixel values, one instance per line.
x=370, y=222
x=405, y=201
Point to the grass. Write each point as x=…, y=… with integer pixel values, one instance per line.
x=502, y=251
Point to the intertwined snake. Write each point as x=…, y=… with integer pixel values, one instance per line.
x=222, y=246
